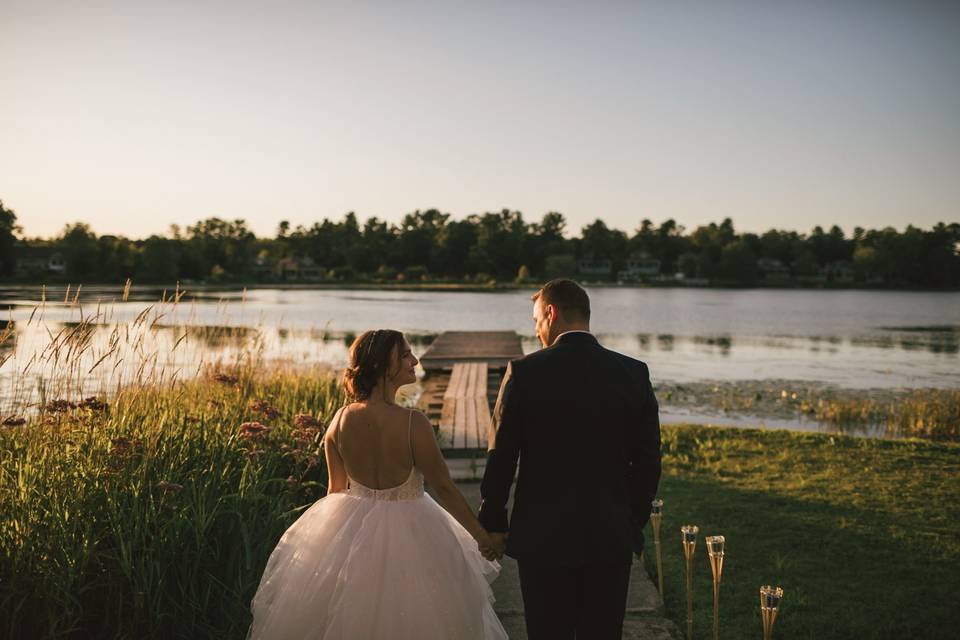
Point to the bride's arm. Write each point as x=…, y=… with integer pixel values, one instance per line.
x=430, y=462
x=336, y=472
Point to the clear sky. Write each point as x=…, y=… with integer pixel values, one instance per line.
x=134, y=115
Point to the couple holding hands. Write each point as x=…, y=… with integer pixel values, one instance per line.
x=575, y=424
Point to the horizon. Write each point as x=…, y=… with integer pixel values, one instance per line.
x=569, y=232
x=135, y=117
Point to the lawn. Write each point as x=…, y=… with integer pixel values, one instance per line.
x=861, y=534
x=153, y=516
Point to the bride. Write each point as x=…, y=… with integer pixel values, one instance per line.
x=378, y=558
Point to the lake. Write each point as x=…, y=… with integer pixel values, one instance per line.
x=848, y=339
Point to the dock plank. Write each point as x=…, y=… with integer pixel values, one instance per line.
x=463, y=371
x=465, y=415
x=495, y=348
x=460, y=422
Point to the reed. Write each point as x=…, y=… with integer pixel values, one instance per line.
x=929, y=413
x=150, y=508
x=920, y=413
x=156, y=513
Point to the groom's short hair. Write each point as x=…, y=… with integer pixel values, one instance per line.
x=568, y=297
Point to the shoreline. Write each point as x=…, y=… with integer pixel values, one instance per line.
x=469, y=287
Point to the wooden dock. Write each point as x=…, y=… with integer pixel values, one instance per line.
x=464, y=370
x=496, y=348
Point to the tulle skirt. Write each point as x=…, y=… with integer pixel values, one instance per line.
x=354, y=568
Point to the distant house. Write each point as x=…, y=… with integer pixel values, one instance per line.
x=598, y=268
x=298, y=268
x=641, y=266
x=841, y=272
x=773, y=270
x=40, y=260
x=262, y=270
x=310, y=270
x=820, y=277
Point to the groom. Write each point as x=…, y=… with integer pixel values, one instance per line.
x=583, y=423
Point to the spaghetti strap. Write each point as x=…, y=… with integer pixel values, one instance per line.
x=413, y=461
x=338, y=419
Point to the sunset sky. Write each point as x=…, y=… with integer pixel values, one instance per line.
x=135, y=115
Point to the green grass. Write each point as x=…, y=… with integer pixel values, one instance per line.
x=155, y=516
x=861, y=534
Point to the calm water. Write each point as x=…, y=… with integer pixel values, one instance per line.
x=850, y=339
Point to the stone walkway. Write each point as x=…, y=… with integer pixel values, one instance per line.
x=644, y=620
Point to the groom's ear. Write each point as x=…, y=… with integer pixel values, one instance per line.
x=552, y=312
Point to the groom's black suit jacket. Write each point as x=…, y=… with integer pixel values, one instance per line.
x=583, y=422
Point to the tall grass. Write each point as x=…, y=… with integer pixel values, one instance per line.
x=155, y=514
x=150, y=509
x=918, y=413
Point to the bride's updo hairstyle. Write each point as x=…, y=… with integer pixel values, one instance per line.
x=370, y=358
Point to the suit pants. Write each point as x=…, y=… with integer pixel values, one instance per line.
x=564, y=603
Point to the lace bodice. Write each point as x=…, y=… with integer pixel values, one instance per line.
x=411, y=489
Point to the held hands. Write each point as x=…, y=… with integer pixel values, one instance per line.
x=492, y=545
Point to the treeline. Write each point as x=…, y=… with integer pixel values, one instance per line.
x=501, y=246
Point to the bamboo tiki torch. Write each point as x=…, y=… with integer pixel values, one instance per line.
x=656, y=515
x=770, y=598
x=715, y=551
x=688, y=535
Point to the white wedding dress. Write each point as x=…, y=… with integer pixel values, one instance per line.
x=376, y=563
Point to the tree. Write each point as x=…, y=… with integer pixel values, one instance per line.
x=738, y=263
x=545, y=238
x=417, y=238
x=561, y=266
x=159, y=260
x=454, y=244
x=8, y=240
x=377, y=245
x=602, y=243
x=500, y=243
x=79, y=247
x=116, y=259
x=227, y=244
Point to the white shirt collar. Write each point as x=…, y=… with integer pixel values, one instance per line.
x=571, y=331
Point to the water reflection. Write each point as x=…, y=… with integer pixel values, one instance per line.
x=683, y=335
x=678, y=415
x=8, y=335
x=931, y=340
x=721, y=344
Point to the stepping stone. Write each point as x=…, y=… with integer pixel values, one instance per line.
x=649, y=628
x=467, y=470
